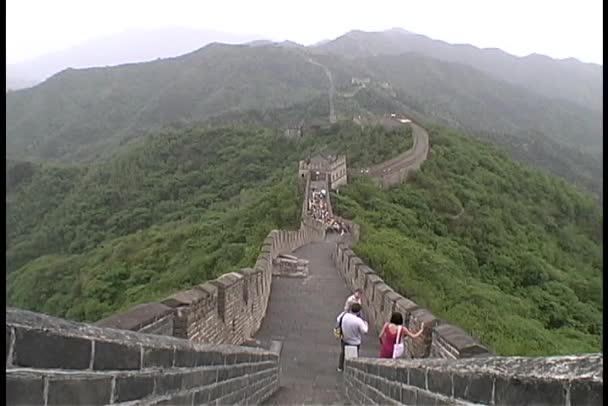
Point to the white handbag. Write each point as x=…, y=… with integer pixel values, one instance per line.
x=399, y=347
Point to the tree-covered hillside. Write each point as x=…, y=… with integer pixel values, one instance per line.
x=509, y=253
x=184, y=207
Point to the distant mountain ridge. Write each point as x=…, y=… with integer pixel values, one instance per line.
x=567, y=79
x=86, y=114
x=132, y=46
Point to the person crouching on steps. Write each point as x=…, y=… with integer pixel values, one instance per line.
x=353, y=327
x=393, y=333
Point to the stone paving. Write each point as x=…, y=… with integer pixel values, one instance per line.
x=302, y=313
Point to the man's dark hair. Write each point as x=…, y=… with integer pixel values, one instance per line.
x=358, y=290
x=397, y=318
x=355, y=308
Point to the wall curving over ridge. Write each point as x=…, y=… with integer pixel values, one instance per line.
x=398, y=169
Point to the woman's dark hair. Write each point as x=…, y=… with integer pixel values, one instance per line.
x=397, y=318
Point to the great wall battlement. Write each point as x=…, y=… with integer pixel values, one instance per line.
x=398, y=169
x=186, y=349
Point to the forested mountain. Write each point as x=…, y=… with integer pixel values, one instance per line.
x=567, y=79
x=82, y=113
x=85, y=114
x=184, y=206
x=510, y=254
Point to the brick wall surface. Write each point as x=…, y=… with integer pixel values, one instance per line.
x=50, y=361
x=568, y=380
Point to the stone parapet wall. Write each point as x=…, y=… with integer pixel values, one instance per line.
x=567, y=380
x=398, y=169
x=439, y=339
x=51, y=361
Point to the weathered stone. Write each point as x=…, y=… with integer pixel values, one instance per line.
x=201, y=397
x=426, y=398
x=154, y=357
x=586, y=393
x=80, y=390
x=200, y=377
x=188, y=358
x=474, y=388
x=417, y=378
x=440, y=382
x=133, y=387
x=165, y=383
x=514, y=391
x=24, y=390
x=408, y=395
x=116, y=356
x=42, y=349
x=137, y=317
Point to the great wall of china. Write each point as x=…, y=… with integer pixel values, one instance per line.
x=244, y=338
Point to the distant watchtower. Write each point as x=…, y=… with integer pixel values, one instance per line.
x=325, y=166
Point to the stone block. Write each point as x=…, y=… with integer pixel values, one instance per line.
x=189, y=358
x=137, y=317
x=116, y=356
x=133, y=387
x=409, y=395
x=427, y=398
x=513, y=391
x=177, y=400
x=417, y=378
x=464, y=345
x=387, y=372
x=158, y=357
x=475, y=388
x=215, y=392
x=45, y=349
x=185, y=298
x=201, y=397
x=24, y=390
x=80, y=390
x=165, y=383
x=586, y=393
x=440, y=382
x=199, y=377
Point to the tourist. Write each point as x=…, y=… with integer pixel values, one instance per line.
x=393, y=333
x=352, y=327
x=354, y=298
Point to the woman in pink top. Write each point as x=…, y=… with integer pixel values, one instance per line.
x=388, y=335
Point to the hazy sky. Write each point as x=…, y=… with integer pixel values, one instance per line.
x=557, y=28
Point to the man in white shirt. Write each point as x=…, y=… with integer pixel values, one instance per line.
x=354, y=298
x=353, y=327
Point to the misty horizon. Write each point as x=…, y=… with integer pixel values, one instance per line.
x=517, y=27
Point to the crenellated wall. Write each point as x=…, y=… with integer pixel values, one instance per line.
x=440, y=339
x=398, y=169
